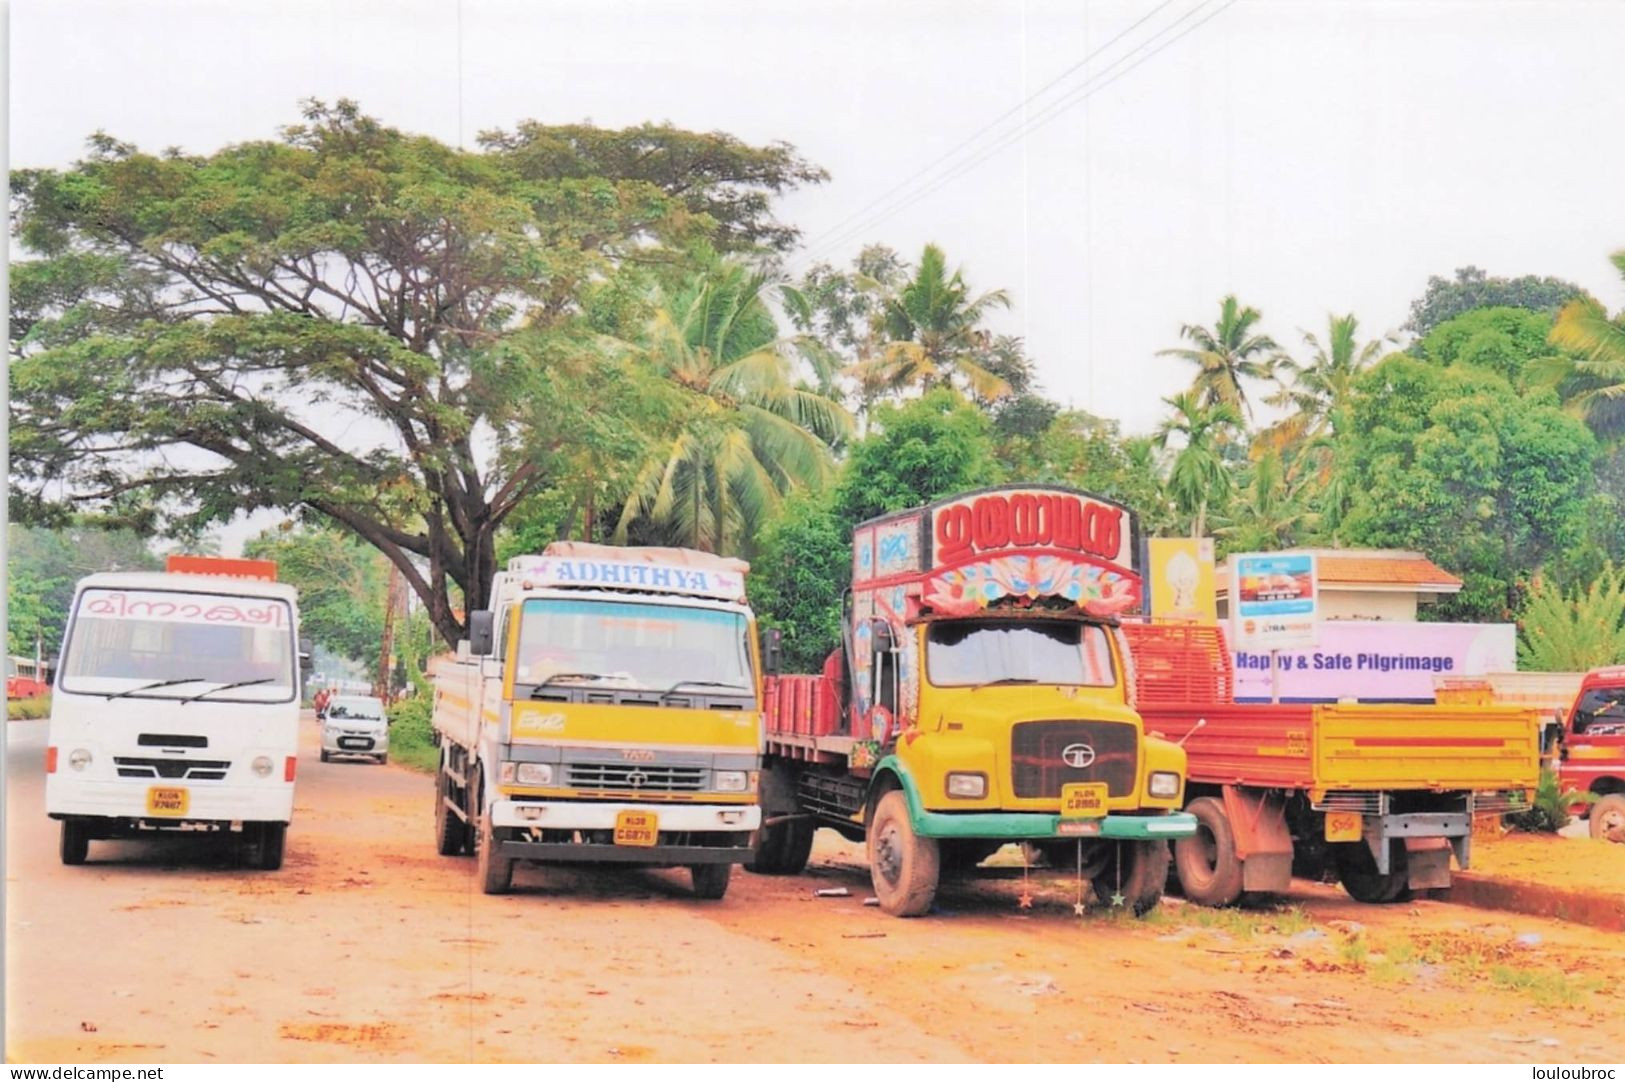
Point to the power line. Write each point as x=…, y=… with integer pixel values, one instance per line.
x=979, y=132
x=1044, y=116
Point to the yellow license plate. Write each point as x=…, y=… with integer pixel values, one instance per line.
x=1086, y=800
x=636, y=828
x=1344, y=827
x=170, y=800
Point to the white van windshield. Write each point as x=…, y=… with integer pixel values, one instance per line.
x=175, y=644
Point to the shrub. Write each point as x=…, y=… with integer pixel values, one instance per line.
x=1564, y=632
x=28, y=709
x=411, y=733
x=1550, y=811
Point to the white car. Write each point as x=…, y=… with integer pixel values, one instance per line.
x=355, y=725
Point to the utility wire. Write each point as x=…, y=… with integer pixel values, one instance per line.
x=1037, y=120
x=984, y=129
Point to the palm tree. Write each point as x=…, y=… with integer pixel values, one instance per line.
x=930, y=335
x=747, y=434
x=1270, y=509
x=1226, y=353
x=1595, y=382
x=1198, y=478
x=1319, y=391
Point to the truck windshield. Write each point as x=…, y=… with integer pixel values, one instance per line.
x=1601, y=712
x=969, y=653
x=629, y=645
x=172, y=644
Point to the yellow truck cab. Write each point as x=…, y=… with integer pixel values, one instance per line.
x=982, y=695
x=606, y=708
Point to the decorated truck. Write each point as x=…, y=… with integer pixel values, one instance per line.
x=981, y=695
x=1383, y=794
x=606, y=708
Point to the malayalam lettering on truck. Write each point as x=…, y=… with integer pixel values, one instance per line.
x=981, y=696
x=176, y=707
x=606, y=710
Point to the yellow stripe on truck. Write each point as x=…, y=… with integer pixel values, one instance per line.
x=626, y=726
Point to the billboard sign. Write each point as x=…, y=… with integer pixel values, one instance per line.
x=1274, y=599
x=1179, y=571
x=1377, y=661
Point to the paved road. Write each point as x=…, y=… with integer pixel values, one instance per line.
x=367, y=946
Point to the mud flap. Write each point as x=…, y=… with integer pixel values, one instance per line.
x=1263, y=842
x=1427, y=863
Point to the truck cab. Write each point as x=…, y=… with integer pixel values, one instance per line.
x=1592, y=751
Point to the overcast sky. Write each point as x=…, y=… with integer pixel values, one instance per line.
x=1309, y=156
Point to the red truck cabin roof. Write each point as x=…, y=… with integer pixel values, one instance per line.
x=1611, y=676
x=1002, y=545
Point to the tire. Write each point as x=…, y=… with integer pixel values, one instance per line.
x=382, y=759
x=710, y=880
x=784, y=848
x=964, y=856
x=1209, y=872
x=450, y=832
x=327, y=756
x=1608, y=818
x=267, y=843
x=1357, y=871
x=903, y=866
x=75, y=845
x=495, y=872
x=1138, y=873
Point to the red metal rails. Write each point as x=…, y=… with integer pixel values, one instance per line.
x=1179, y=664
x=800, y=706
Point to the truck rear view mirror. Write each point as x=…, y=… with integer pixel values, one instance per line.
x=480, y=632
x=307, y=655
x=772, y=651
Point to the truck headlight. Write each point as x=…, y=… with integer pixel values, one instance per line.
x=732, y=781
x=967, y=786
x=79, y=758
x=1163, y=784
x=262, y=765
x=535, y=773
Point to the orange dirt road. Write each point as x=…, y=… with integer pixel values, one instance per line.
x=367, y=946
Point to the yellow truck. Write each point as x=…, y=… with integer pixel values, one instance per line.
x=606, y=708
x=982, y=695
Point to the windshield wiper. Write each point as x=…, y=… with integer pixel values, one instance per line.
x=228, y=687
x=564, y=676
x=1006, y=680
x=701, y=684
x=155, y=684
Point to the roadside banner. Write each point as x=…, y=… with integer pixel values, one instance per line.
x=1180, y=570
x=1274, y=600
x=1377, y=661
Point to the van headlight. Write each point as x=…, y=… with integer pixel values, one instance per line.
x=967, y=786
x=262, y=765
x=732, y=781
x=79, y=758
x=1163, y=784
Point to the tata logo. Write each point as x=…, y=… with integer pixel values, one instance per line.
x=1078, y=756
x=635, y=779
x=637, y=755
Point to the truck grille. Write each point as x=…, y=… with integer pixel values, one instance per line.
x=1037, y=769
x=172, y=769
x=637, y=777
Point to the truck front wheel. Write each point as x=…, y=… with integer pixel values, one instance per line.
x=903, y=866
x=75, y=841
x=1134, y=876
x=266, y=842
x=711, y=880
x=495, y=870
x=1608, y=818
x=1209, y=872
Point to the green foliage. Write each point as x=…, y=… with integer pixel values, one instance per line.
x=804, y=563
x=1198, y=480
x=341, y=583
x=1043, y=445
x=1593, y=381
x=1446, y=299
x=411, y=733
x=42, y=567
x=1506, y=341
x=28, y=709
x=1225, y=354
x=1573, y=630
x=1549, y=812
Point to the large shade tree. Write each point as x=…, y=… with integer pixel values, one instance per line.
x=403, y=337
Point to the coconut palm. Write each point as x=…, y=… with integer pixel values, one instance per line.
x=746, y=433
x=1318, y=391
x=1270, y=510
x=1594, y=383
x=931, y=335
x=1225, y=354
x=1197, y=478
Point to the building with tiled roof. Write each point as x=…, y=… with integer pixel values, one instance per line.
x=1367, y=584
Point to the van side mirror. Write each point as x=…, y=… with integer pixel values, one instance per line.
x=772, y=651
x=307, y=654
x=481, y=632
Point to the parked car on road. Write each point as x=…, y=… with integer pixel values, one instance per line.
x=355, y=725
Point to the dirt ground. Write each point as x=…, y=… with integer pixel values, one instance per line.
x=367, y=946
x=1582, y=864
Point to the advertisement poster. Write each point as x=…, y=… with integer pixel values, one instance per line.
x=1377, y=661
x=1274, y=600
x=1180, y=573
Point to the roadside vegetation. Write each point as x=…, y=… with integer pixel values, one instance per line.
x=28, y=709
x=411, y=734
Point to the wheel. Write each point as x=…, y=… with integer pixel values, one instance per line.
x=710, y=880
x=450, y=832
x=1357, y=870
x=75, y=841
x=903, y=866
x=1134, y=876
x=784, y=848
x=382, y=759
x=1209, y=872
x=266, y=842
x=326, y=756
x=963, y=856
x=495, y=870
x=1608, y=818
